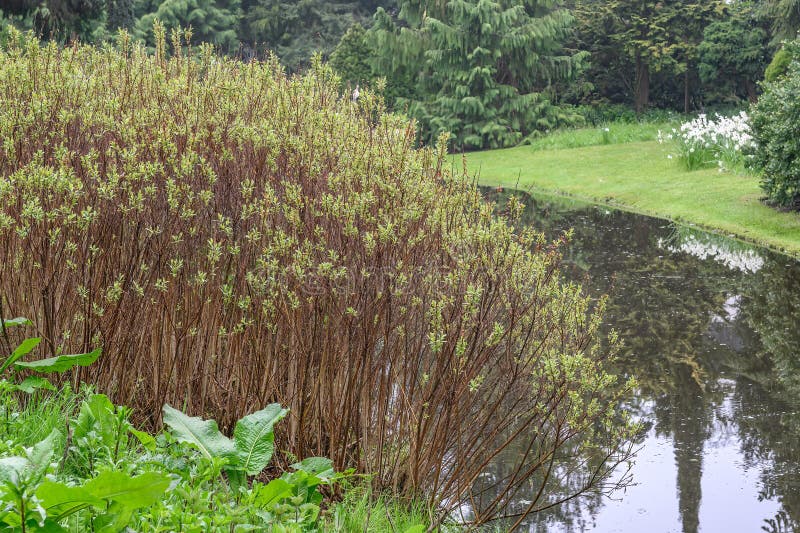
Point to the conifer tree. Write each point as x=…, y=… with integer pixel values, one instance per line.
x=213, y=21
x=483, y=66
x=351, y=57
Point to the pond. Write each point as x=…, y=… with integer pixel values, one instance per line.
x=712, y=333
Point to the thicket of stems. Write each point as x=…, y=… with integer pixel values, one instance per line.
x=233, y=237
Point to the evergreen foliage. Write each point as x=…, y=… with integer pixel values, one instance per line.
x=212, y=21
x=784, y=18
x=120, y=15
x=351, y=58
x=778, y=66
x=733, y=53
x=296, y=30
x=632, y=41
x=776, y=129
x=62, y=20
x=482, y=66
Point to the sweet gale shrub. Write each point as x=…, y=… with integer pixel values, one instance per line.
x=234, y=237
x=776, y=128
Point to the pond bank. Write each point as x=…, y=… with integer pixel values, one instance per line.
x=639, y=177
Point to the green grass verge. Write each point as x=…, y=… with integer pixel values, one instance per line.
x=362, y=512
x=639, y=177
x=612, y=133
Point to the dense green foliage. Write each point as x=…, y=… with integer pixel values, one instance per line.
x=235, y=237
x=493, y=73
x=733, y=53
x=105, y=475
x=644, y=43
x=351, y=58
x=778, y=66
x=211, y=21
x=481, y=66
x=776, y=128
x=784, y=18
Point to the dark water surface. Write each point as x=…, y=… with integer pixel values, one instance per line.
x=712, y=333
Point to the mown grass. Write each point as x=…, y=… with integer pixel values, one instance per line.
x=639, y=177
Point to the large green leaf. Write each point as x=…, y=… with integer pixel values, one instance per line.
x=60, y=501
x=33, y=383
x=39, y=454
x=266, y=496
x=203, y=434
x=60, y=363
x=114, y=520
x=145, y=439
x=255, y=440
x=96, y=414
x=12, y=468
x=132, y=492
x=23, y=349
x=19, y=321
x=322, y=467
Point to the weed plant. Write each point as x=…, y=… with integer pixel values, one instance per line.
x=234, y=237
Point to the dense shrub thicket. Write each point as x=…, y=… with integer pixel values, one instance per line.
x=776, y=130
x=234, y=237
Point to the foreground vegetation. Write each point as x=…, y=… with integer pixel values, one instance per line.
x=640, y=177
x=72, y=461
x=233, y=238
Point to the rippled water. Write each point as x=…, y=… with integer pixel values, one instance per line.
x=712, y=333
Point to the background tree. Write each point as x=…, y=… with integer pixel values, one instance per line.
x=213, y=21
x=120, y=15
x=733, y=53
x=639, y=44
x=689, y=19
x=784, y=18
x=61, y=20
x=484, y=67
x=351, y=57
x=297, y=29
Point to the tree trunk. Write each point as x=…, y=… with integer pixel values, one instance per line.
x=642, y=92
x=686, y=91
x=750, y=87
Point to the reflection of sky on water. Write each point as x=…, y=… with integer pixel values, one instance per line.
x=730, y=489
x=712, y=332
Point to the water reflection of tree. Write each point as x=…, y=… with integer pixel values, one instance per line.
x=661, y=304
x=769, y=398
x=670, y=309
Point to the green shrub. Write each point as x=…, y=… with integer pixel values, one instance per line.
x=235, y=237
x=778, y=66
x=776, y=129
x=351, y=57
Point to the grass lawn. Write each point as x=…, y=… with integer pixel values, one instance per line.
x=638, y=176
